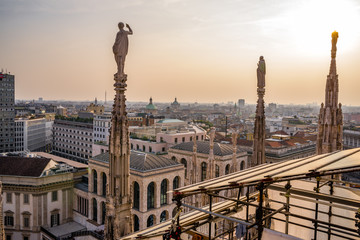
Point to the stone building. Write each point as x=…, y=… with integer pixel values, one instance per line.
x=351, y=138
x=151, y=108
x=196, y=156
x=95, y=108
x=152, y=177
x=37, y=192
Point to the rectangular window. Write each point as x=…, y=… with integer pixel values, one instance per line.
x=26, y=238
x=8, y=237
x=9, y=221
x=26, y=198
x=9, y=197
x=55, y=219
x=26, y=221
x=175, y=140
x=54, y=196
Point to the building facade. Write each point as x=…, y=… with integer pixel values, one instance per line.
x=101, y=128
x=37, y=192
x=7, y=112
x=151, y=178
x=33, y=134
x=73, y=139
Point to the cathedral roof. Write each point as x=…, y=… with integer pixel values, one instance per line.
x=204, y=147
x=143, y=162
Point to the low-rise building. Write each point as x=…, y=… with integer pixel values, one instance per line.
x=152, y=177
x=37, y=192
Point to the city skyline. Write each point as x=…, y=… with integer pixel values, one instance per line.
x=60, y=50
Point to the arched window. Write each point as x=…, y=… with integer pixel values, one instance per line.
x=137, y=147
x=203, y=171
x=136, y=203
x=136, y=223
x=163, y=216
x=151, y=195
x=183, y=161
x=150, y=149
x=242, y=165
x=143, y=148
x=176, y=182
x=217, y=171
x=132, y=146
x=104, y=180
x=95, y=181
x=173, y=158
x=227, y=169
x=94, y=210
x=103, y=212
x=150, y=221
x=163, y=194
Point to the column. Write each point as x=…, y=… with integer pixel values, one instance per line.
x=63, y=206
x=45, y=209
x=17, y=211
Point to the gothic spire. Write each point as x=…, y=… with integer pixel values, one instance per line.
x=258, y=156
x=330, y=124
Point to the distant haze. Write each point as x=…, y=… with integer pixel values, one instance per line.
x=204, y=50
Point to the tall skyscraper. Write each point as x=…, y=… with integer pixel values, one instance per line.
x=330, y=125
x=7, y=112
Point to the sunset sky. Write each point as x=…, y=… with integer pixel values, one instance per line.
x=195, y=50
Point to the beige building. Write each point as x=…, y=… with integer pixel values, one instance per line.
x=152, y=178
x=223, y=159
x=37, y=192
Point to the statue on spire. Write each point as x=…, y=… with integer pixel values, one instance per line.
x=334, y=37
x=120, y=47
x=261, y=71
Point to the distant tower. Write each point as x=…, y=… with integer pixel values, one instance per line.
x=258, y=156
x=95, y=101
x=330, y=125
x=118, y=221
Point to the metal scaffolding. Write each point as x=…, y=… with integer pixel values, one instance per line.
x=279, y=177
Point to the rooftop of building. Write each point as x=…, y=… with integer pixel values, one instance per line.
x=164, y=121
x=23, y=166
x=61, y=160
x=143, y=162
x=220, y=149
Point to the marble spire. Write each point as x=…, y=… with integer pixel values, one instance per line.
x=330, y=123
x=258, y=156
x=118, y=221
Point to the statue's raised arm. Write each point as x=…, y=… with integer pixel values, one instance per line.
x=120, y=47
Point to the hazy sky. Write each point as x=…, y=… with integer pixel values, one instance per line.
x=195, y=50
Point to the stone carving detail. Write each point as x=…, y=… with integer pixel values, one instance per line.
x=258, y=156
x=118, y=221
x=330, y=117
x=120, y=47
